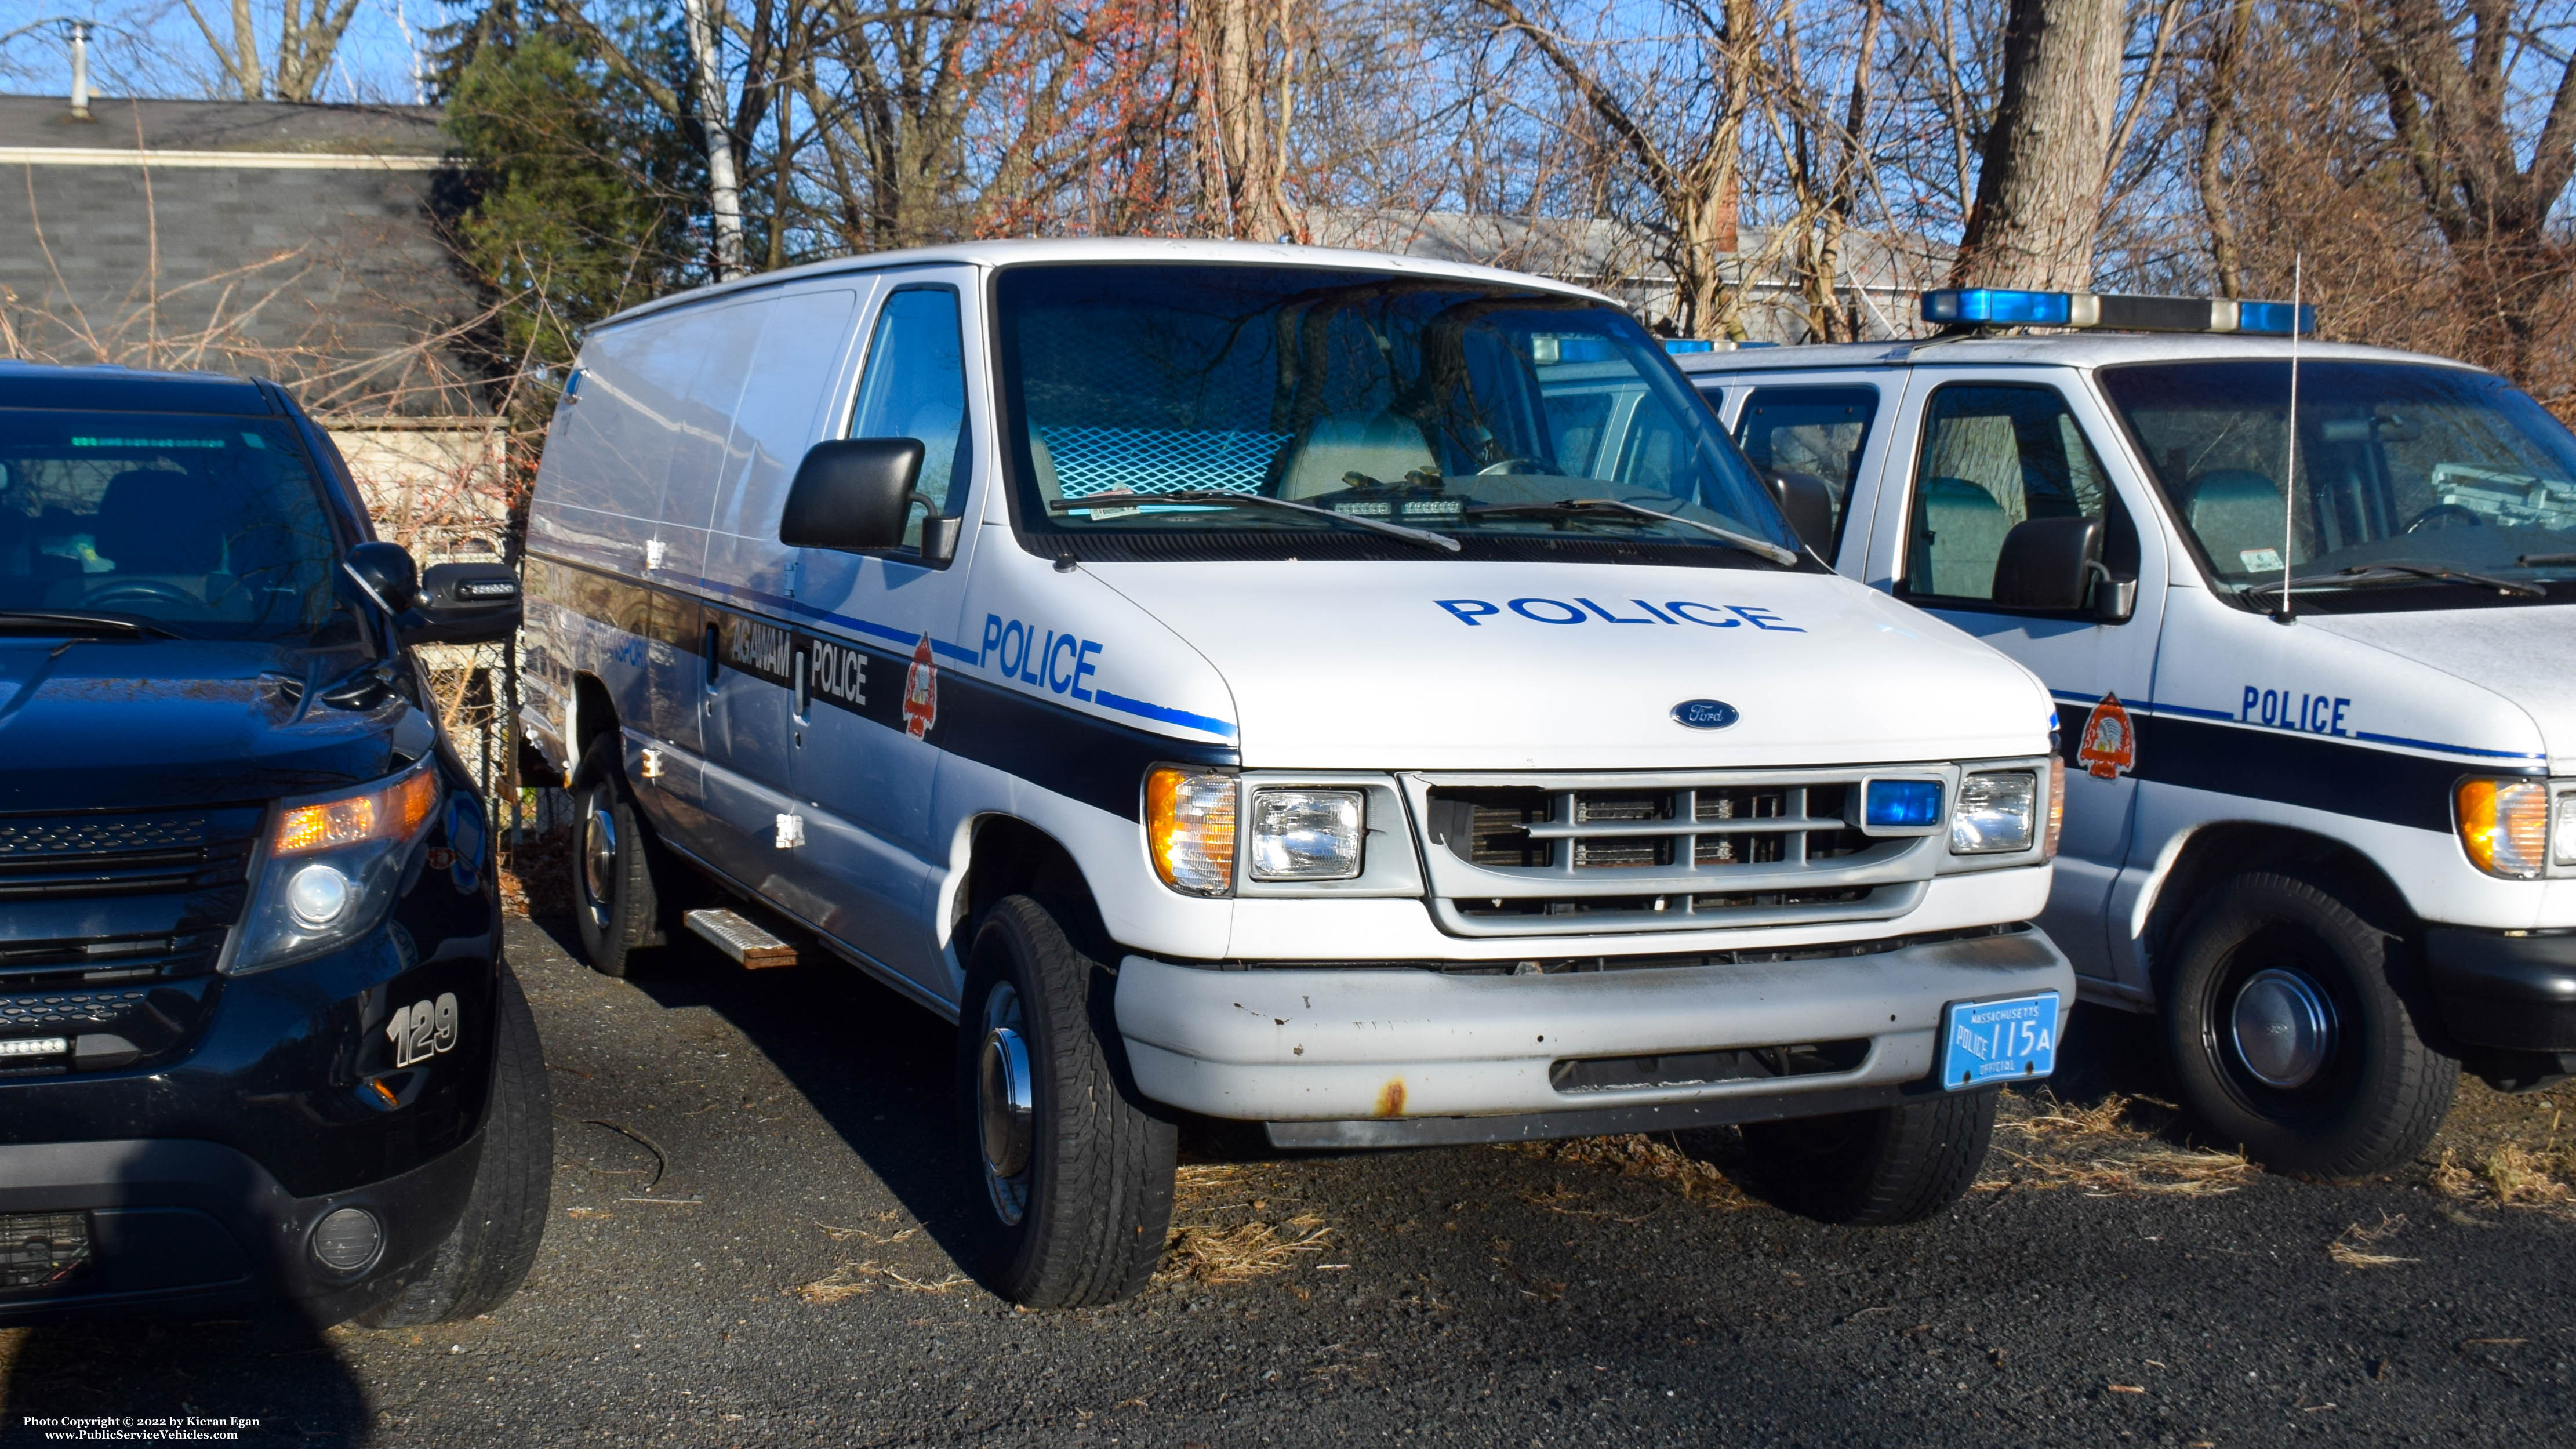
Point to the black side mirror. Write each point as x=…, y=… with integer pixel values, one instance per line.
x=1807, y=501
x=464, y=603
x=856, y=494
x=381, y=574
x=2048, y=563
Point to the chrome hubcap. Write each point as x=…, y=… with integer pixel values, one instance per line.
x=2283, y=1028
x=599, y=859
x=1005, y=1103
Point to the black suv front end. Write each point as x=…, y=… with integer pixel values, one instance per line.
x=255, y=1027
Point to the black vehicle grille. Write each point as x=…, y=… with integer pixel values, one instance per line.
x=129, y=854
x=1588, y=830
x=1703, y=1068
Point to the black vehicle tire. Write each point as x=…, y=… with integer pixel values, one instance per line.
x=1074, y=1168
x=2287, y=1022
x=487, y=1255
x=618, y=876
x=1878, y=1168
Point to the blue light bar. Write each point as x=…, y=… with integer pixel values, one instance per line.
x=1995, y=307
x=1680, y=345
x=2273, y=318
x=1902, y=804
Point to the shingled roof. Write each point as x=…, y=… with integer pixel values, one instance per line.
x=298, y=242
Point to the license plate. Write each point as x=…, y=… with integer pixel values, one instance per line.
x=1984, y=1042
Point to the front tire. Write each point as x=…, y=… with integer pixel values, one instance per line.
x=1878, y=1168
x=487, y=1255
x=1074, y=1168
x=2287, y=1027
x=616, y=893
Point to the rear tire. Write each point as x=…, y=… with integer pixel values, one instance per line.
x=488, y=1253
x=1891, y=1165
x=1073, y=1167
x=2287, y=1024
x=617, y=890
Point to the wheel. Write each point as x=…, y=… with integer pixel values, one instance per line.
x=617, y=892
x=2287, y=1028
x=1872, y=1169
x=488, y=1254
x=1075, y=1169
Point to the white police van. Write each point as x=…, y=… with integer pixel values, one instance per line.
x=1247, y=681
x=2325, y=829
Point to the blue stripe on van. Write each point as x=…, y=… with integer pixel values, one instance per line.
x=1163, y=713
x=2164, y=707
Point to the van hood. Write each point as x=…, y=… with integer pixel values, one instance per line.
x=1569, y=666
x=90, y=724
x=2518, y=654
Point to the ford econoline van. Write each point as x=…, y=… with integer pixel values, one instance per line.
x=1249, y=681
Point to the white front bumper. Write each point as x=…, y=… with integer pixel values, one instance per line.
x=1340, y=1043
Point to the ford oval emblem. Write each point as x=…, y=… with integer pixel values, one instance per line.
x=1705, y=714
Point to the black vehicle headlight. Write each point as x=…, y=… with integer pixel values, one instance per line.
x=334, y=862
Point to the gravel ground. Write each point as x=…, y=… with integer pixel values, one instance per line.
x=755, y=1235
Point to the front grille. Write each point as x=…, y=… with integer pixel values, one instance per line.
x=38, y=1250
x=53, y=857
x=1667, y=851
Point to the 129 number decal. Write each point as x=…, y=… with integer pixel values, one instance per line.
x=423, y=1031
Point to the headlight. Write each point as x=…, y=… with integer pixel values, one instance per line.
x=1997, y=812
x=1305, y=834
x=1189, y=830
x=333, y=865
x=2563, y=834
x=2504, y=825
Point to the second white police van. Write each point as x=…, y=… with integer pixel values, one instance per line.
x=1249, y=681
x=2306, y=609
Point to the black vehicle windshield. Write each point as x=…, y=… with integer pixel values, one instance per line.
x=1486, y=413
x=2406, y=477
x=197, y=525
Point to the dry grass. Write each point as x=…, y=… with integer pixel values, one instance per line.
x=1640, y=1154
x=2353, y=1246
x=1224, y=1230
x=2506, y=1152
x=853, y=1279
x=2113, y=1148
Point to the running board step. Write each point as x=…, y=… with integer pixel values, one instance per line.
x=740, y=939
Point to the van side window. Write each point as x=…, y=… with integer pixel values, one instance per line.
x=1995, y=455
x=1819, y=431
x=915, y=387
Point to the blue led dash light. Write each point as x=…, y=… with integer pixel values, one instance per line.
x=2273, y=318
x=1679, y=345
x=1902, y=804
x=1995, y=307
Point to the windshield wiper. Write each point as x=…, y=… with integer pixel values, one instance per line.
x=1221, y=499
x=73, y=621
x=2546, y=560
x=2364, y=575
x=1760, y=548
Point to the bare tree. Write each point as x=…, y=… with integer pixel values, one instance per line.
x=308, y=40
x=2451, y=83
x=724, y=185
x=1246, y=57
x=2048, y=150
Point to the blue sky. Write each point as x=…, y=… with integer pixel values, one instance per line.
x=153, y=48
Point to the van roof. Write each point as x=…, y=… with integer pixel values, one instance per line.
x=990, y=254
x=2076, y=349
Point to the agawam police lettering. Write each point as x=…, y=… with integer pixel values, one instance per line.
x=1675, y=613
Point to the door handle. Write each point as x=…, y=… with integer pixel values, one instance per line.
x=804, y=696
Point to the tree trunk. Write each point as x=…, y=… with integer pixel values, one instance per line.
x=2039, y=188
x=724, y=187
x=1240, y=181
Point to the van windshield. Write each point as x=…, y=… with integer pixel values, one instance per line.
x=2406, y=477
x=1147, y=397
x=201, y=525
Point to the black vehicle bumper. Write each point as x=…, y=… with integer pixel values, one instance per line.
x=2511, y=990
x=177, y=1225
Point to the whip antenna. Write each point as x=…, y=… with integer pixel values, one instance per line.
x=2290, y=451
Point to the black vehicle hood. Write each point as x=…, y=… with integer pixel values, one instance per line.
x=94, y=724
